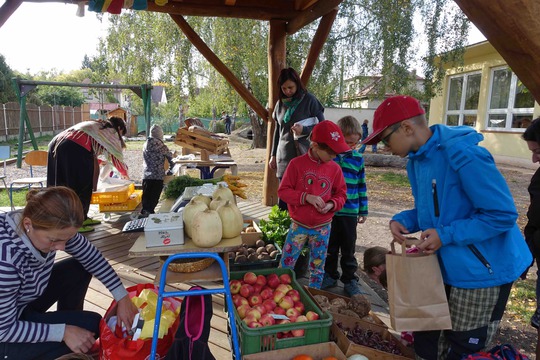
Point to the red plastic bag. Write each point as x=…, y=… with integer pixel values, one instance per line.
x=117, y=348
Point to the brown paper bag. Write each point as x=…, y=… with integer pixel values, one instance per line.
x=416, y=292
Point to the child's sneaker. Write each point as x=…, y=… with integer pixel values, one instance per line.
x=351, y=288
x=328, y=282
x=535, y=319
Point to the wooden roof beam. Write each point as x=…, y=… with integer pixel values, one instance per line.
x=240, y=12
x=7, y=9
x=219, y=66
x=325, y=25
x=320, y=8
x=514, y=33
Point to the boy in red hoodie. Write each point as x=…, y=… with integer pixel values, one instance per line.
x=314, y=189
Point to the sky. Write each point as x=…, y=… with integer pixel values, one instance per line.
x=46, y=36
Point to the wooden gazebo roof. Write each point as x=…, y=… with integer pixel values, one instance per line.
x=511, y=26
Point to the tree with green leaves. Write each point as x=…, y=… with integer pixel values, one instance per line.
x=7, y=93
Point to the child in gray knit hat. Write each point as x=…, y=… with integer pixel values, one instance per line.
x=154, y=154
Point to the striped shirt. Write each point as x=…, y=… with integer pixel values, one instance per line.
x=352, y=165
x=24, y=276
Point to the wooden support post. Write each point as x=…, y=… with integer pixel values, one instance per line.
x=325, y=25
x=276, y=62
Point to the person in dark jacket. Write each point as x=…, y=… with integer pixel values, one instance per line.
x=154, y=154
x=465, y=214
x=295, y=105
x=532, y=229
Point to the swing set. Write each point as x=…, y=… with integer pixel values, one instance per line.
x=23, y=87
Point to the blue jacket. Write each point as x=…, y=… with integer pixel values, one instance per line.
x=482, y=245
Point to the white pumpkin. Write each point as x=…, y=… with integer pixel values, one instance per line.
x=192, y=208
x=206, y=229
x=216, y=202
x=205, y=199
x=224, y=192
x=231, y=218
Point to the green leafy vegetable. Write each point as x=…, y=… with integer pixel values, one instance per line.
x=176, y=186
x=275, y=229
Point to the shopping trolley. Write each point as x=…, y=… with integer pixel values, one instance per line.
x=224, y=290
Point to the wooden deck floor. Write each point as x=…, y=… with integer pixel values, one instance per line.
x=114, y=245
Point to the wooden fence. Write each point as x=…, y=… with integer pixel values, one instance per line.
x=45, y=120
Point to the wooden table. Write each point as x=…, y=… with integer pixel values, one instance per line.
x=209, y=167
x=212, y=273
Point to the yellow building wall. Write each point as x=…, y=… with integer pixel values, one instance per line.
x=483, y=57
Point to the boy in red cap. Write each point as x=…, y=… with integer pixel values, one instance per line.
x=314, y=189
x=466, y=215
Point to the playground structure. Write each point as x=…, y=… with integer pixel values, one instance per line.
x=23, y=87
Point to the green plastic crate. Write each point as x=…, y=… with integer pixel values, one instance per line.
x=257, y=340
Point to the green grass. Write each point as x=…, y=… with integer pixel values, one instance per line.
x=19, y=198
x=388, y=177
x=522, y=301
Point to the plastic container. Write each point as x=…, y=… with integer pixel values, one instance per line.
x=113, y=197
x=256, y=265
x=130, y=204
x=256, y=340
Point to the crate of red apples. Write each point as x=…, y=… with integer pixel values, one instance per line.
x=273, y=311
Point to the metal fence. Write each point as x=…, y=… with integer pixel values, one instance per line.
x=45, y=119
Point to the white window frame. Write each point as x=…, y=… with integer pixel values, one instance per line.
x=510, y=110
x=461, y=112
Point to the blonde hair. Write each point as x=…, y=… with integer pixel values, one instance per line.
x=373, y=257
x=349, y=125
x=53, y=208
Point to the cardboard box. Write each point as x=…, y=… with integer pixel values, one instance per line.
x=316, y=351
x=350, y=348
x=164, y=229
x=331, y=296
x=250, y=238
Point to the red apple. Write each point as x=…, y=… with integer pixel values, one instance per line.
x=257, y=289
x=261, y=280
x=283, y=288
x=298, y=332
x=240, y=300
x=250, y=278
x=312, y=315
x=292, y=313
x=283, y=321
x=254, y=313
x=294, y=294
x=255, y=324
x=301, y=318
x=272, y=280
x=285, y=278
x=246, y=290
x=269, y=304
x=262, y=309
x=279, y=311
x=249, y=318
x=242, y=310
x=286, y=302
x=267, y=320
x=298, y=305
x=278, y=295
x=235, y=285
x=267, y=293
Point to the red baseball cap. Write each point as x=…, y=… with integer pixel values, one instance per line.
x=391, y=111
x=328, y=133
